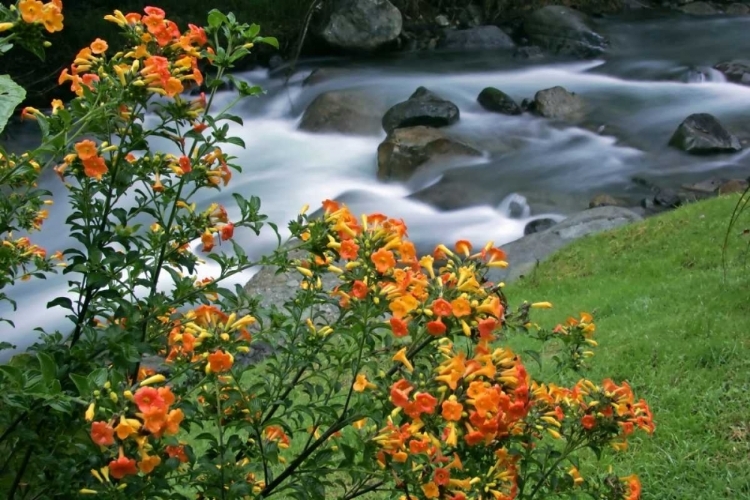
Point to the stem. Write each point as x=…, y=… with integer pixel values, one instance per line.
x=568, y=450
x=21, y=472
x=359, y=493
x=221, y=438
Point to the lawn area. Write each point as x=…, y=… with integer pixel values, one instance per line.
x=670, y=323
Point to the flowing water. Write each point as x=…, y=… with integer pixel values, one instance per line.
x=657, y=72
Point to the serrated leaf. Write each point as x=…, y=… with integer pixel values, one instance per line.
x=47, y=366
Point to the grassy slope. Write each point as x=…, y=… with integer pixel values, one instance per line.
x=669, y=323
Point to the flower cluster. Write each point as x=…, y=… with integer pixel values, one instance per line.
x=132, y=425
x=47, y=14
x=161, y=58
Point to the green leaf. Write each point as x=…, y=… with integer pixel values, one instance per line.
x=62, y=302
x=13, y=374
x=252, y=31
x=216, y=18
x=82, y=384
x=48, y=367
x=11, y=95
x=269, y=40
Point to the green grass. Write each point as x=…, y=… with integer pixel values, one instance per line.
x=671, y=324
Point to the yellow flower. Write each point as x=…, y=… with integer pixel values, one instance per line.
x=31, y=10
x=400, y=356
x=362, y=383
x=541, y=305
x=5, y=26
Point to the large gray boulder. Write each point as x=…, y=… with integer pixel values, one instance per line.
x=422, y=108
x=561, y=30
x=344, y=112
x=363, y=25
x=559, y=104
x=479, y=38
x=497, y=101
x=524, y=254
x=702, y=133
x=736, y=71
x=407, y=149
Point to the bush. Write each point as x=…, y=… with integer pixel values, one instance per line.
x=390, y=380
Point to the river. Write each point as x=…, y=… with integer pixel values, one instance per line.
x=657, y=72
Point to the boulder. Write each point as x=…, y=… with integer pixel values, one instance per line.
x=737, y=71
x=528, y=52
x=562, y=30
x=344, y=112
x=559, y=104
x=699, y=9
x=363, y=25
x=422, y=108
x=738, y=9
x=524, y=254
x=479, y=38
x=498, y=101
x=702, y=133
x=406, y=149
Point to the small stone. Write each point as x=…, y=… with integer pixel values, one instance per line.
x=702, y=133
x=605, y=200
x=442, y=21
x=538, y=225
x=699, y=9
x=422, y=108
x=733, y=186
x=559, y=104
x=479, y=38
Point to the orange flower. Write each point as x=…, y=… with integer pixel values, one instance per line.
x=425, y=402
x=276, y=433
x=400, y=393
x=401, y=357
x=208, y=241
x=174, y=419
x=486, y=327
x=102, y=433
x=330, y=206
x=173, y=87
x=442, y=307
x=461, y=307
x=177, y=452
x=436, y=327
x=464, y=247
x=147, y=398
x=359, y=289
x=52, y=17
x=403, y=306
x=86, y=149
x=431, y=490
x=227, y=231
x=588, y=422
x=31, y=10
x=633, y=484
x=220, y=361
x=399, y=327
x=148, y=463
x=98, y=46
x=442, y=476
x=122, y=467
x=452, y=409
x=95, y=167
x=362, y=383
x=154, y=419
x=383, y=260
x=185, y=164
x=348, y=250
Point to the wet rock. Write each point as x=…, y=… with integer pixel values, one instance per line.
x=605, y=200
x=668, y=198
x=703, y=134
x=559, y=104
x=733, y=186
x=736, y=71
x=699, y=9
x=538, y=225
x=529, y=52
x=561, y=30
x=363, y=25
x=322, y=75
x=524, y=254
x=343, y=111
x=276, y=61
x=498, y=101
x=705, y=187
x=738, y=9
x=422, y=108
x=406, y=149
x=479, y=38
x=442, y=21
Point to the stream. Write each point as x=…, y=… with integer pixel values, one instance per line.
x=657, y=72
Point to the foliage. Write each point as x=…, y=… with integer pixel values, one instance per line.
x=391, y=380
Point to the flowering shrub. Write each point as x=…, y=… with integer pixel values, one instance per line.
x=386, y=376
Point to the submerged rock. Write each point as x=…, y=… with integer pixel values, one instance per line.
x=702, y=133
x=496, y=100
x=479, y=38
x=422, y=108
x=342, y=111
x=561, y=30
x=363, y=24
x=736, y=71
x=406, y=149
x=559, y=104
x=538, y=225
x=699, y=9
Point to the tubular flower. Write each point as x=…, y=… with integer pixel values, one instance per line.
x=361, y=383
x=95, y=167
x=31, y=10
x=220, y=361
x=98, y=46
x=122, y=467
x=102, y=433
